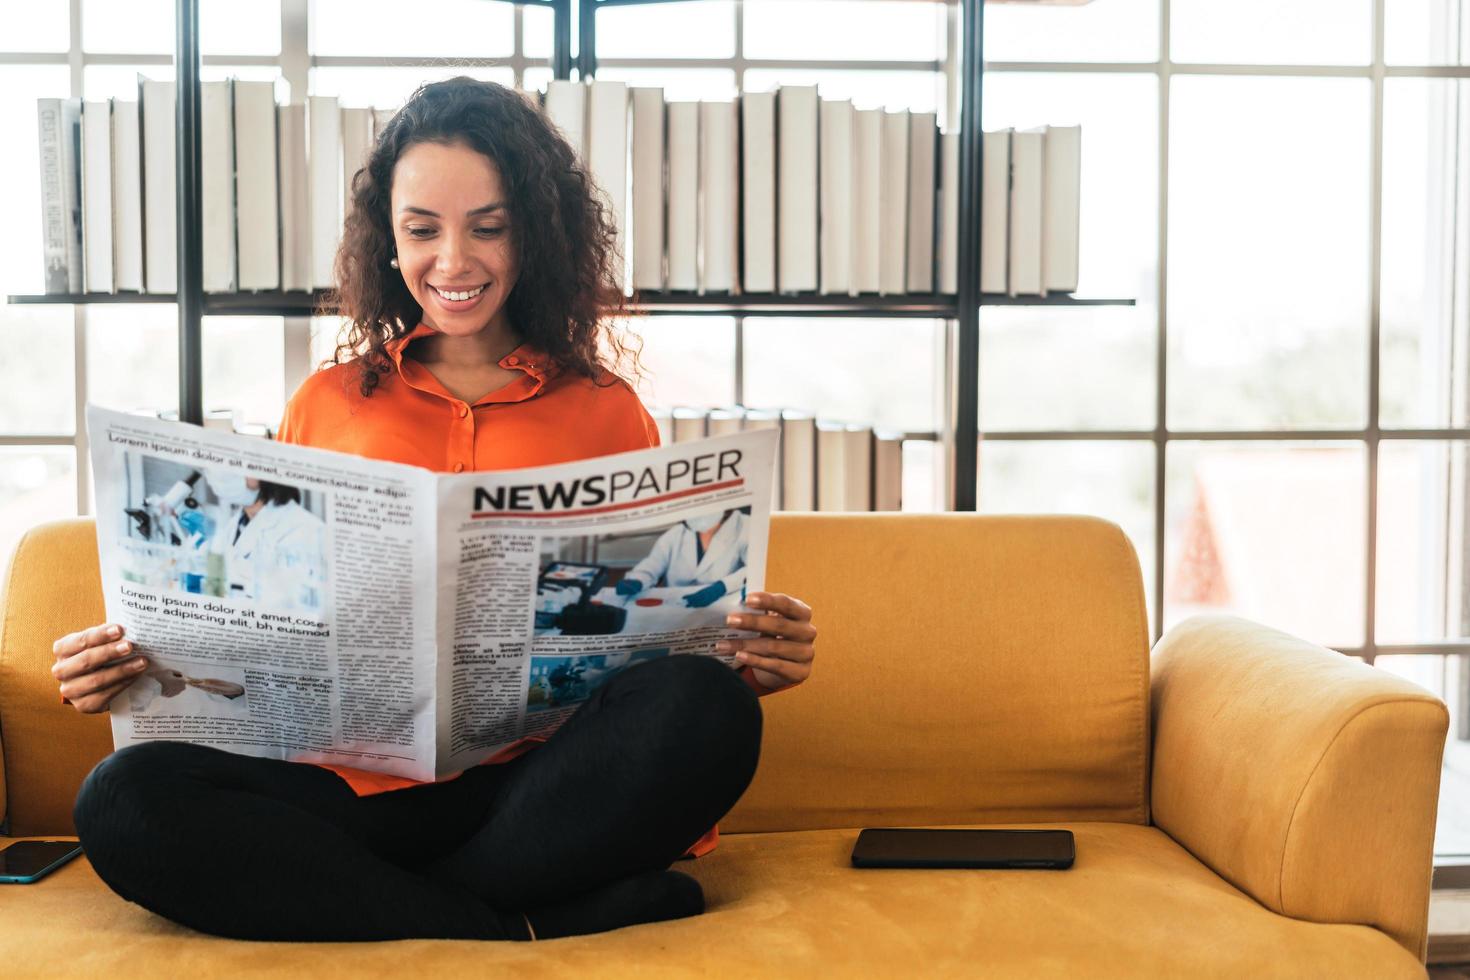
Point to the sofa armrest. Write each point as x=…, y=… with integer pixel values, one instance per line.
x=1305, y=778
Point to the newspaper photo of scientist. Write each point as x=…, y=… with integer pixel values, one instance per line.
x=679, y=573
x=217, y=531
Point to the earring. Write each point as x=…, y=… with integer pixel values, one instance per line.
x=393, y=262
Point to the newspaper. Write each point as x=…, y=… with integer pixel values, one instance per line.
x=316, y=606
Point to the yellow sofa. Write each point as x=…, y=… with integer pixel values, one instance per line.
x=1245, y=804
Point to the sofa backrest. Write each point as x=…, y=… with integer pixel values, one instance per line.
x=970, y=669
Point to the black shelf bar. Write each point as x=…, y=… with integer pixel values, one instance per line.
x=966, y=370
x=190, y=212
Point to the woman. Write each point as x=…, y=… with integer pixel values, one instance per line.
x=476, y=266
x=276, y=547
x=705, y=554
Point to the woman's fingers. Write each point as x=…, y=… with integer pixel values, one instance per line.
x=74, y=643
x=781, y=604
x=801, y=653
x=98, y=680
x=97, y=701
x=790, y=671
x=89, y=660
x=780, y=626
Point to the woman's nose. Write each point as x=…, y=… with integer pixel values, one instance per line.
x=453, y=256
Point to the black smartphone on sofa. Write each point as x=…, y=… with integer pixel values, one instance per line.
x=26, y=861
x=906, y=848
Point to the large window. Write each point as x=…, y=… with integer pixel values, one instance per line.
x=1281, y=422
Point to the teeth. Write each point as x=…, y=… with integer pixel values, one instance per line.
x=460, y=296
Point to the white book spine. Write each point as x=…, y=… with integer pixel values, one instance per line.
x=663, y=418
x=1061, y=209
x=97, y=195
x=726, y=421
x=798, y=461
x=857, y=464
x=127, y=197
x=868, y=133
x=718, y=236
x=217, y=186
x=160, y=195
x=1027, y=181
x=763, y=419
x=683, y=195
x=796, y=189
x=566, y=107
x=893, y=232
x=325, y=161
x=758, y=189
x=995, y=209
x=831, y=466
x=381, y=119
x=949, y=214
x=922, y=136
x=60, y=219
x=256, y=189
x=648, y=188
x=291, y=177
x=690, y=424
x=357, y=143
x=838, y=195
x=607, y=152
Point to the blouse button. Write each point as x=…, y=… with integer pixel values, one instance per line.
x=463, y=411
x=512, y=360
x=459, y=467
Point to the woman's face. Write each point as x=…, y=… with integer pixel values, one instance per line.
x=451, y=226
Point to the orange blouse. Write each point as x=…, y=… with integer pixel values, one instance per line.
x=542, y=417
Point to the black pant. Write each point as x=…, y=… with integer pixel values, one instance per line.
x=261, y=849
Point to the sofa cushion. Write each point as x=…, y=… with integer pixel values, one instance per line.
x=788, y=904
x=970, y=669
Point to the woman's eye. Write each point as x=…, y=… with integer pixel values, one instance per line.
x=420, y=232
x=490, y=232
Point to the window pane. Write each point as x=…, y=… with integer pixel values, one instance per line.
x=37, y=377
x=133, y=357
x=866, y=30
x=1090, y=367
x=147, y=26
x=1426, y=32
x=1268, y=252
x=1423, y=580
x=436, y=28
x=389, y=88
x=22, y=262
x=1448, y=678
x=245, y=368
x=679, y=84
x=1120, y=185
x=1270, y=32
x=917, y=91
x=1274, y=532
x=686, y=360
x=885, y=373
x=1112, y=480
x=535, y=79
x=538, y=25
x=702, y=29
x=1426, y=213
x=45, y=27
x=326, y=333
x=1119, y=30
x=36, y=485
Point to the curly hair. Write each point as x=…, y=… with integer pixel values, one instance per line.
x=564, y=234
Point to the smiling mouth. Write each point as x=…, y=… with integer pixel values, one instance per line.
x=459, y=295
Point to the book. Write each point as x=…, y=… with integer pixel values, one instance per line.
x=867, y=199
x=160, y=193
x=59, y=122
x=757, y=418
x=127, y=197
x=690, y=424
x=949, y=213
x=566, y=107
x=922, y=136
x=857, y=467
x=324, y=159
x=357, y=142
x=607, y=157
x=381, y=118
x=887, y=470
x=831, y=466
x=292, y=178
x=995, y=209
x=217, y=186
x=723, y=421
x=256, y=186
x=798, y=461
x=663, y=418
x=719, y=204
x=97, y=195
x=758, y=190
x=796, y=189
x=648, y=188
x=894, y=205
x=1027, y=175
x=838, y=195
x=683, y=195
x=1061, y=208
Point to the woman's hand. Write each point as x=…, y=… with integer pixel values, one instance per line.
x=93, y=666
x=782, y=655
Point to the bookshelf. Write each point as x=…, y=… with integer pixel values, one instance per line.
x=962, y=310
